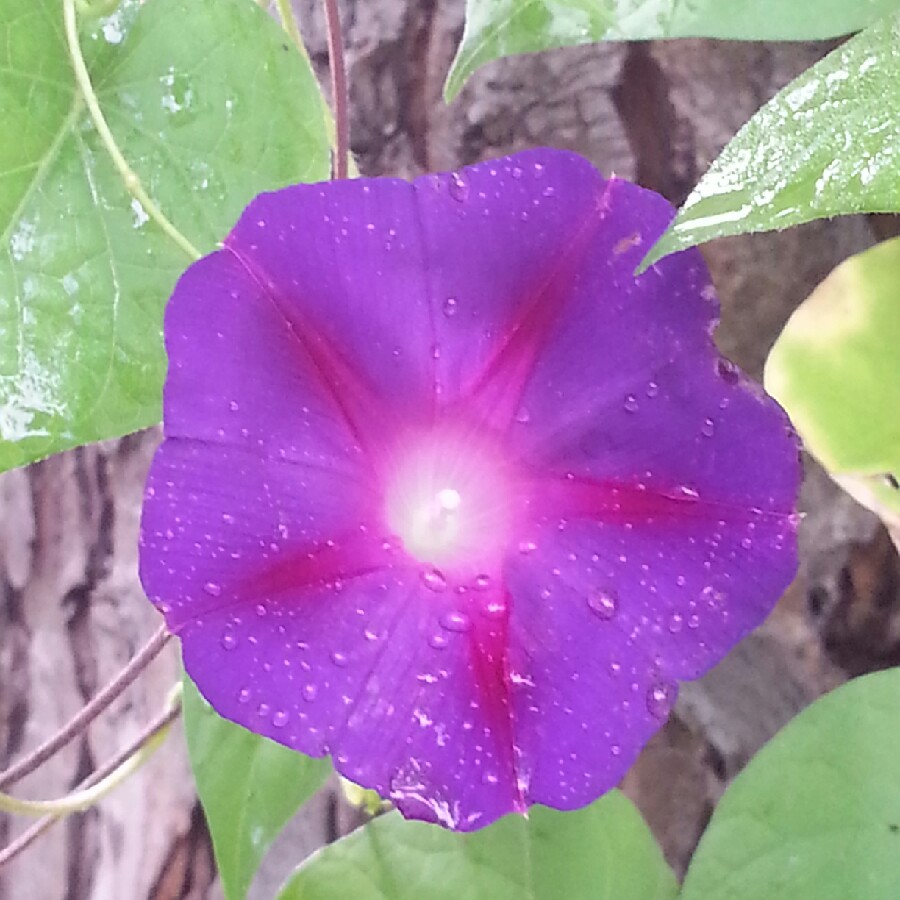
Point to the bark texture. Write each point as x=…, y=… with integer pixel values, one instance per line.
x=71, y=610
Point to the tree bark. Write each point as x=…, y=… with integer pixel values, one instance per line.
x=71, y=610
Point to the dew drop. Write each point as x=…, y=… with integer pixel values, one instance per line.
x=263, y=710
x=434, y=580
x=280, y=719
x=526, y=547
x=458, y=187
x=243, y=695
x=482, y=582
x=261, y=610
x=438, y=641
x=523, y=416
x=450, y=306
x=604, y=604
x=631, y=403
x=455, y=621
x=213, y=589
x=548, y=191
x=516, y=172
x=652, y=390
x=233, y=406
x=495, y=609
x=708, y=429
x=309, y=692
x=659, y=700
x=229, y=639
x=676, y=623
x=339, y=658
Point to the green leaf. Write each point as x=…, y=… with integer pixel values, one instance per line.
x=210, y=106
x=835, y=368
x=496, y=28
x=604, y=851
x=816, y=814
x=826, y=145
x=249, y=787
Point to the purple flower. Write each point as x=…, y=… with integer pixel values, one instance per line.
x=448, y=493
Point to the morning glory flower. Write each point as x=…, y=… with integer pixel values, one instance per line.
x=447, y=493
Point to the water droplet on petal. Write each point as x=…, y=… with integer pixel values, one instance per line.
x=261, y=610
x=523, y=416
x=213, y=589
x=243, y=695
x=676, y=621
x=434, y=580
x=229, y=639
x=455, y=621
x=280, y=719
x=339, y=658
x=526, y=547
x=495, y=609
x=631, y=403
x=263, y=710
x=458, y=187
x=309, y=692
x=438, y=641
x=604, y=604
x=708, y=429
x=450, y=306
x=659, y=700
x=652, y=389
x=516, y=172
x=482, y=582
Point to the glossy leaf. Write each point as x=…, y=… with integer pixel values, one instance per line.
x=602, y=851
x=249, y=787
x=496, y=28
x=826, y=145
x=210, y=106
x=836, y=370
x=817, y=812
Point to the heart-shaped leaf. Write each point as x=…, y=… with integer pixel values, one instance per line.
x=209, y=105
x=603, y=851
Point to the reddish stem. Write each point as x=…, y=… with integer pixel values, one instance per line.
x=339, y=93
x=89, y=712
x=28, y=837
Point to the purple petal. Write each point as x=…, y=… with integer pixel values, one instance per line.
x=344, y=264
x=239, y=376
x=363, y=350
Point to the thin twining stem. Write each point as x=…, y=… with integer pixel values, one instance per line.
x=88, y=712
x=84, y=798
x=132, y=182
x=339, y=94
x=151, y=736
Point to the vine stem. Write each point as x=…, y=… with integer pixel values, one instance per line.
x=339, y=92
x=89, y=711
x=141, y=747
x=79, y=800
x=132, y=182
